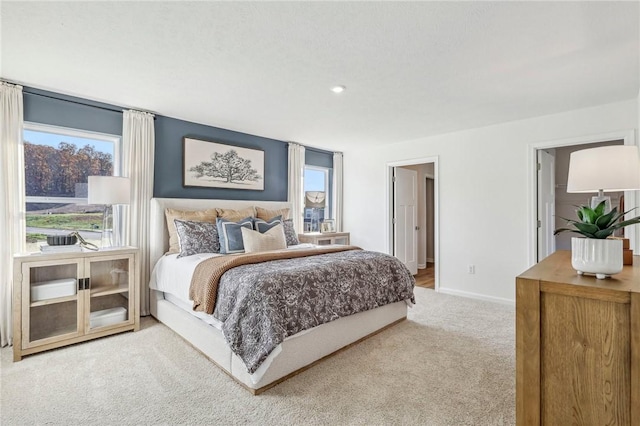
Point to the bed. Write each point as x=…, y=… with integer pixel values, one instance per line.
x=293, y=355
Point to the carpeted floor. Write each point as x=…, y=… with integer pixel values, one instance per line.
x=451, y=363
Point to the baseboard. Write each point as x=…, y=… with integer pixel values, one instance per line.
x=430, y=260
x=471, y=295
x=422, y=265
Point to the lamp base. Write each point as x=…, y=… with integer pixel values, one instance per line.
x=597, y=199
x=106, y=239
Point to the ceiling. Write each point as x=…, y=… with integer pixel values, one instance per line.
x=411, y=69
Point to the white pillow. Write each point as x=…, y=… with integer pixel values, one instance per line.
x=273, y=239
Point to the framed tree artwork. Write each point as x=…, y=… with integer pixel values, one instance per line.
x=217, y=165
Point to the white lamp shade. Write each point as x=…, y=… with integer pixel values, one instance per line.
x=608, y=168
x=109, y=190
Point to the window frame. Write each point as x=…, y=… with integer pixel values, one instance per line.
x=326, y=211
x=327, y=191
x=78, y=133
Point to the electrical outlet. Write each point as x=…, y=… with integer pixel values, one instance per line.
x=471, y=269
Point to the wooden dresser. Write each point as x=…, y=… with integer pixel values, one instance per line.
x=577, y=346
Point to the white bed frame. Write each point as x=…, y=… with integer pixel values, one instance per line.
x=296, y=353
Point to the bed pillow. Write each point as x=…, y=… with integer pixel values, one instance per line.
x=265, y=214
x=272, y=239
x=290, y=232
x=236, y=215
x=193, y=216
x=197, y=237
x=230, y=234
x=263, y=226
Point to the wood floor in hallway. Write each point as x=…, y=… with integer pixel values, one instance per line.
x=426, y=277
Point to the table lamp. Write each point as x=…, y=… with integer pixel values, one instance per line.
x=604, y=169
x=108, y=191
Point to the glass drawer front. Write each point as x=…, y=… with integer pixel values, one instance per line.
x=109, y=293
x=107, y=310
x=53, y=320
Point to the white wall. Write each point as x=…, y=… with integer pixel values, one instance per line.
x=483, y=185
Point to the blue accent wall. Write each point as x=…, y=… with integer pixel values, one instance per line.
x=168, y=162
x=41, y=106
x=68, y=111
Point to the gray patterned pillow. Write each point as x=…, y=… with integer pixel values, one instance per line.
x=197, y=237
x=290, y=233
x=230, y=234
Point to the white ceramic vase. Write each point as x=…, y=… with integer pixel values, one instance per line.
x=602, y=257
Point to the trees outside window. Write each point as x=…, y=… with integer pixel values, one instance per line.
x=58, y=162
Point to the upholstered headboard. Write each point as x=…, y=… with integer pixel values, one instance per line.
x=159, y=238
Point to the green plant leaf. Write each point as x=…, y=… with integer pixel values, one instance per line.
x=633, y=221
x=604, y=221
x=603, y=233
x=622, y=214
x=594, y=224
x=587, y=228
x=588, y=215
x=599, y=210
x=559, y=230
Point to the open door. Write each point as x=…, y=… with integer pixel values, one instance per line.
x=405, y=217
x=546, y=203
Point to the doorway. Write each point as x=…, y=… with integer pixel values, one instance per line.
x=413, y=218
x=552, y=202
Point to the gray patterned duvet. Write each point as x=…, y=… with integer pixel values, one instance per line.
x=262, y=304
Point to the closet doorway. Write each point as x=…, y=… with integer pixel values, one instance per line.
x=413, y=219
x=549, y=200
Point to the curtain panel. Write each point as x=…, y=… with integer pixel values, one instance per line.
x=12, y=215
x=337, y=190
x=138, y=155
x=296, y=184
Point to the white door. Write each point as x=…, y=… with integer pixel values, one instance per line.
x=405, y=202
x=546, y=204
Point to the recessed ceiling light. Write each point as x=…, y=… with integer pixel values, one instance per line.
x=338, y=89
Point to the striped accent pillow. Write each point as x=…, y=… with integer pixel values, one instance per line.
x=263, y=226
x=230, y=234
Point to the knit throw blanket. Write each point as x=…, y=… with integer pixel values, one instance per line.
x=206, y=277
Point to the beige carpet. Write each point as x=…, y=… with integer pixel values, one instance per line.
x=451, y=363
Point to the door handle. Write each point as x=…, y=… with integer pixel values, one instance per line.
x=417, y=228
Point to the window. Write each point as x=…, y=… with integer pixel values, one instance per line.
x=316, y=190
x=57, y=163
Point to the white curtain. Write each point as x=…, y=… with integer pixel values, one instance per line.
x=12, y=216
x=296, y=184
x=337, y=190
x=138, y=154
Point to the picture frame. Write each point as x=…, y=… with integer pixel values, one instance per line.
x=328, y=226
x=218, y=165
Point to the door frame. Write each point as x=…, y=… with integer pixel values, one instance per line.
x=436, y=208
x=551, y=223
x=628, y=136
x=432, y=177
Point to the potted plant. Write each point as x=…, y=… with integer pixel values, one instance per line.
x=596, y=254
